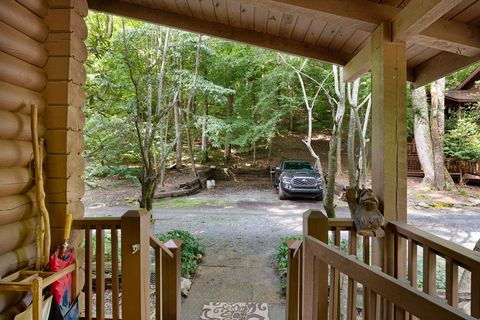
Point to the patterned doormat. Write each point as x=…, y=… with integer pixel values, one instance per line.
x=235, y=311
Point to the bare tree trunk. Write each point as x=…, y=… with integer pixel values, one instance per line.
x=339, y=152
x=178, y=136
x=228, y=147
x=352, y=178
x=204, y=130
x=442, y=177
x=423, y=140
x=339, y=111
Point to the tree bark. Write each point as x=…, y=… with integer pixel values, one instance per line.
x=352, y=178
x=339, y=111
x=423, y=140
x=204, y=130
x=228, y=147
x=178, y=136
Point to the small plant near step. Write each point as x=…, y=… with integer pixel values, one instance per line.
x=281, y=258
x=193, y=250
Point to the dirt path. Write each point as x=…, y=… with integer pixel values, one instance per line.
x=241, y=227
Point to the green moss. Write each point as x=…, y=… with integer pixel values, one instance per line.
x=189, y=203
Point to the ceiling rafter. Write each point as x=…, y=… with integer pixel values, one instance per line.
x=367, y=15
x=174, y=20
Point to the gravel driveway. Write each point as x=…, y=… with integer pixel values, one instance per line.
x=242, y=228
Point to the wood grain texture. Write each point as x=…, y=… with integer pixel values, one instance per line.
x=66, y=44
x=19, y=45
x=64, y=117
x=66, y=69
x=15, y=153
x=39, y=7
x=18, y=207
x=64, y=142
x=23, y=20
x=17, y=99
x=18, y=72
x=16, y=235
x=15, y=180
x=16, y=126
x=67, y=20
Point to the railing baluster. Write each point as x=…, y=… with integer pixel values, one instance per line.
x=352, y=284
x=335, y=283
x=115, y=280
x=100, y=273
x=88, y=273
x=429, y=271
x=412, y=263
x=158, y=283
x=451, y=282
x=475, y=294
x=366, y=260
x=374, y=305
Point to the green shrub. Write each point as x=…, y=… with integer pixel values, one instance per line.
x=281, y=258
x=192, y=249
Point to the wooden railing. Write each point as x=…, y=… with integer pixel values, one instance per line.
x=324, y=280
x=128, y=257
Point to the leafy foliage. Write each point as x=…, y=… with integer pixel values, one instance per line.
x=281, y=258
x=192, y=249
x=463, y=142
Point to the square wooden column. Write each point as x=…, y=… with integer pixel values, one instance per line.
x=389, y=124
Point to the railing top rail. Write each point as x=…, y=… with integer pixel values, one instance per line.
x=341, y=223
x=97, y=221
x=401, y=294
x=465, y=257
x=155, y=243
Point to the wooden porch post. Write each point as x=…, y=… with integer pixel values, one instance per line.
x=389, y=142
x=389, y=125
x=135, y=265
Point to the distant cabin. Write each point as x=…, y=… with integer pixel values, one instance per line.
x=464, y=95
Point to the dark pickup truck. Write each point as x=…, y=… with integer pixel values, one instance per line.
x=297, y=178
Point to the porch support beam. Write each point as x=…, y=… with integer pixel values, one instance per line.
x=192, y=24
x=418, y=15
x=389, y=136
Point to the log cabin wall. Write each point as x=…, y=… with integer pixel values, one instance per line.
x=42, y=52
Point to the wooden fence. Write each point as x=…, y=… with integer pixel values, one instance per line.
x=324, y=280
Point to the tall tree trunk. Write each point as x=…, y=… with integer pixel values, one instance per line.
x=204, y=130
x=352, y=177
x=423, y=137
x=442, y=178
x=178, y=136
x=339, y=111
x=228, y=147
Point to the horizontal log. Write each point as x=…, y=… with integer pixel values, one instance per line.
x=67, y=44
x=65, y=117
x=15, y=180
x=19, y=45
x=66, y=69
x=18, y=207
x=64, y=93
x=58, y=212
x=67, y=20
x=21, y=73
x=16, y=235
x=18, y=259
x=16, y=126
x=39, y=7
x=18, y=99
x=64, y=190
x=22, y=19
x=80, y=6
x=64, y=142
x=64, y=166
x=15, y=153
